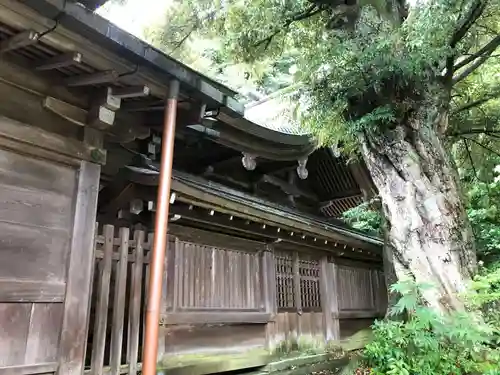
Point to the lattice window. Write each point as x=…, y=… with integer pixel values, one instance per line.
x=285, y=289
x=309, y=284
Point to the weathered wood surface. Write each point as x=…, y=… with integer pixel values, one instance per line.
x=355, y=289
x=134, y=324
x=215, y=278
x=218, y=297
x=119, y=303
x=43, y=336
x=36, y=214
x=102, y=295
x=31, y=291
x=80, y=268
x=33, y=141
x=42, y=368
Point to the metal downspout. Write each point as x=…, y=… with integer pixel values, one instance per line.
x=150, y=353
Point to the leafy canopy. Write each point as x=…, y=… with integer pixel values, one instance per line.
x=360, y=66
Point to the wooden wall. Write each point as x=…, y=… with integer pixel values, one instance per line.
x=36, y=210
x=47, y=218
x=223, y=294
x=214, y=298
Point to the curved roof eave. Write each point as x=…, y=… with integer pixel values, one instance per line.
x=161, y=68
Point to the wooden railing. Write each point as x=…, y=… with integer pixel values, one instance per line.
x=117, y=309
x=215, y=280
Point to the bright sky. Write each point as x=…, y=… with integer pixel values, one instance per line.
x=135, y=15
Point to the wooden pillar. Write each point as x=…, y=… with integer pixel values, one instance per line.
x=268, y=277
x=325, y=279
x=80, y=266
x=335, y=300
x=329, y=299
x=298, y=296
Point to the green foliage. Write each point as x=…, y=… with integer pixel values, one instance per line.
x=428, y=343
x=484, y=214
x=486, y=296
x=365, y=218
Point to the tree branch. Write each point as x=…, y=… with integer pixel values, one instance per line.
x=483, y=146
x=472, y=132
x=478, y=102
x=309, y=12
x=475, y=11
x=470, y=158
x=489, y=47
x=471, y=69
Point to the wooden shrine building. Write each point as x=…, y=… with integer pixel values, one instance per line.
x=256, y=255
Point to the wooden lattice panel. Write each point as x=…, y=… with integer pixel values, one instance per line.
x=309, y=284
x=285, y=289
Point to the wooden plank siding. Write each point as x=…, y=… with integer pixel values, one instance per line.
x=48, y=200
x=36, y=209
x=222, y=294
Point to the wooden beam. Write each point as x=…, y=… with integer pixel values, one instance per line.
x=23, y=39
x=39, y=143
x=192, y=194
x=31, y=291
x=65, y=110
x=266, y=231
x=288, y=188
x=131, y=92
x=14, y=74
x=39, y=368
x=73, y=337
x=90, y=79
x=216, y=317
x=60, y=61
x=363, y=179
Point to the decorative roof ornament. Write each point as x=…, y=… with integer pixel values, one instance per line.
x=302, y=171
x=249, y=162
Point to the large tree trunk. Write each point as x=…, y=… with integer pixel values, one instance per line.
x=427, y=227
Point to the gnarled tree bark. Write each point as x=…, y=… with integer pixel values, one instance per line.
x=428, y=231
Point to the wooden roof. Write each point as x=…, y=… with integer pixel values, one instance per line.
x=209, y=146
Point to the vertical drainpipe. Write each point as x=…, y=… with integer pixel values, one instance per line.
x=160, y=235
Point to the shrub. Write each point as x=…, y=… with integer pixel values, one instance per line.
x=429, y=343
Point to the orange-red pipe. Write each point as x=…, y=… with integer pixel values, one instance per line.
x=156, y=270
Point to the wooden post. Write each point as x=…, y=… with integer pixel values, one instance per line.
x=268, y=277
x=101, y=310
x=119, y=303
x=335, y=300
x=80, y=267
x=298, y=296
x=135, y=303
x=326, y=293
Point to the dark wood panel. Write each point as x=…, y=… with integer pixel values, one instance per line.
x=215, y=317
x=31, y=291
x=359, y=314
x=41, y=368
x=28, y=253
x=26, y=172
x=188, y=338
x=21, y=205
x=14, y=322
x=349, y=327
x=43, y=336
